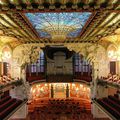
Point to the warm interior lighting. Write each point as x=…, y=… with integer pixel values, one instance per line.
x=81, y=85
x=73, y=85
x=6, y=55
x=110, y=53
x=84, y=89
x=114, y=55
x=0, y=56
x=40, y=90
x=76, y=90
x=1, y=2
x=80, y=91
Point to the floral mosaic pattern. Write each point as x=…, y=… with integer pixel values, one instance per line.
x=68, y=23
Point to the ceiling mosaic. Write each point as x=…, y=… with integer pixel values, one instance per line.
x=56, y=24
x=59, y=22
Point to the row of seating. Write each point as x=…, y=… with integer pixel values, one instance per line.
x=9, y=109
x=7, y=105
x=4, y=94
x=6, y=79
x=111, y=104
x=71, y=109
x=3, y=100
x=61, y=104
x=112, y=78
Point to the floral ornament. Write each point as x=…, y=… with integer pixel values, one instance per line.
x=30, y=54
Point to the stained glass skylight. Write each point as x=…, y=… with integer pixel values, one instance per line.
x=67, y=24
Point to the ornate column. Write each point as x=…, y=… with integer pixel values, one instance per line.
x=67, y=91
x=97, y=113
x=94, y=85
x=95, y=70
x=26, y=84
x=23, y=74
x=52, y=91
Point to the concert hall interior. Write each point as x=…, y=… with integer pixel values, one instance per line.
x=59, y=59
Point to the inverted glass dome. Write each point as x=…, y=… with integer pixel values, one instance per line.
x=66, y=24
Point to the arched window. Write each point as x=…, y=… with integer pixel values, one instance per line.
x=6, y=59
x=38, y=66
x=82, y=68
x=6, y=54
x=113, y=58
x=41, y=62
x=112, y=53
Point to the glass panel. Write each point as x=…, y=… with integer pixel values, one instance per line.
x=42, y=68
x=42, y=62
x=39, y=65
x=68, y=23
x=80, y=64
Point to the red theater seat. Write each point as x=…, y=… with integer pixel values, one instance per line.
x=3, y=100
x=111, y=104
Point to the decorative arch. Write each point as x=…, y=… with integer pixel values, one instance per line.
x=6, y=59
x=112, y=52
x=36, y=71
x=6, y=53
x=26, y=53
x=82, y=68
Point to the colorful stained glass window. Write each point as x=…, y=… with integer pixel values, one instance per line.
x=81, y=65
x=68, y=24
x=37, y=67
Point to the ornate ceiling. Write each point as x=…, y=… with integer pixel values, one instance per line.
x=58, y=26
x=59, y=21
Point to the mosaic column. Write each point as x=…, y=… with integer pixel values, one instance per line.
x=95, y=77
x=94, y=84
x=97, y=113
x=52, y=91
x=67, y=91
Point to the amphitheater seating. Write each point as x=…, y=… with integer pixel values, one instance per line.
x=111, y=104
x=7, y=105
x=5, y=99
x=116, y=100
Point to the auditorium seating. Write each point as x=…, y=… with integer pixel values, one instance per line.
x=112, y=79
x=111, y=104
x=7, y=105
x=52, y=108
x=6, y=79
